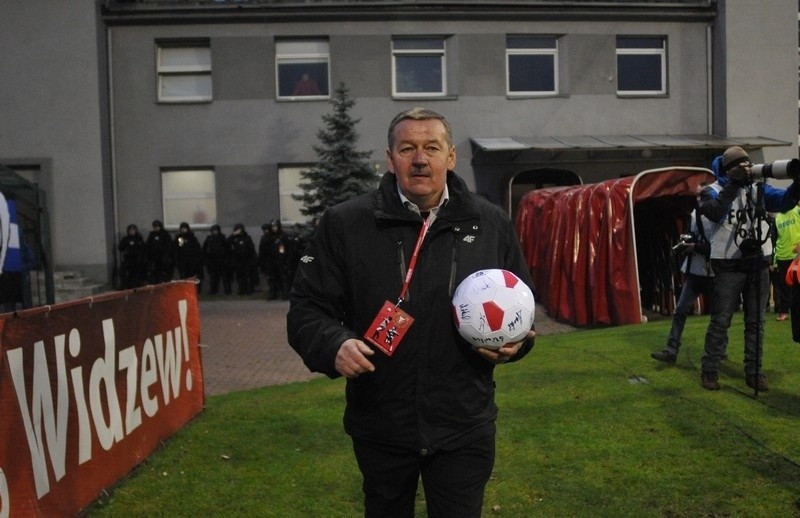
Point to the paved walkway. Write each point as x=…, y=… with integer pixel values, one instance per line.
x=243, y=344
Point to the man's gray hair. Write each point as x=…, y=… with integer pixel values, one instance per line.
x=419, y=114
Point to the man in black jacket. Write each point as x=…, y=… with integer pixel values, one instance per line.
x=159, y=256
x=217, y=260
x=428, y=408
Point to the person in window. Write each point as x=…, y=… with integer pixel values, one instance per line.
x=428, y=409
x=243, y=259
x=159, y=254
x=188, y=255
x=306, y=86
x=133, y=263
x=217, y=260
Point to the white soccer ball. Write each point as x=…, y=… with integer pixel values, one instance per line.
x=492, y=308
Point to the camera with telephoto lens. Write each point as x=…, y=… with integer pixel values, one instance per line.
x=779, y=169
x=683, y=243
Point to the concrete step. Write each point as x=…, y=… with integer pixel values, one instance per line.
x=72, y=286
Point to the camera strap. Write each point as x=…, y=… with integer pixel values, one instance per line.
x=701, y=230
x=753, y=214
x=701, y=233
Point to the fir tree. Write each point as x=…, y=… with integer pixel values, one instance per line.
x=341, y=171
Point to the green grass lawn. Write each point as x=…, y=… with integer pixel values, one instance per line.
x=589, y=425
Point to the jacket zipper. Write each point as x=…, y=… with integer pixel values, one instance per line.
x=453, y=266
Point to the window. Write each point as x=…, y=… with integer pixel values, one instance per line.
x=641, y=65
x=189, y=195
x=302, y=69
x=418, y=67
x=532, y=65
x=184, y=72
x=289, y=183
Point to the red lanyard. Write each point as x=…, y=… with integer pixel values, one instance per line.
x=413, y=263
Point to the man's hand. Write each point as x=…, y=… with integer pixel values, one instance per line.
x=351, y=360
x=740, y=176
x=505, y=353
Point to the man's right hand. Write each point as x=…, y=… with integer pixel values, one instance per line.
x=351, y=360
x=740, y=176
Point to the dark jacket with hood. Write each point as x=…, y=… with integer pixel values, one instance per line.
x=188, y=253
x=434, y=391
x=726, y=205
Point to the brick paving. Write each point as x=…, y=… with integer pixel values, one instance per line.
x=243, y=344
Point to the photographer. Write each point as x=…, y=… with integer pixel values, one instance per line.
x=698, y=281
x=741, y=253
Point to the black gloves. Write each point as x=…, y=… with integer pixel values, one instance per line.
x=739, y=177
x=702, y=248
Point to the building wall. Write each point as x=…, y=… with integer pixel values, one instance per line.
x=245, y=133
x=53, y=106
x=759, y=79
x=55, y=95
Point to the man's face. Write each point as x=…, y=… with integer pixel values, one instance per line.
x=420, y=158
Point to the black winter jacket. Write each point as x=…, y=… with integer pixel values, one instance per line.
x=434, y=391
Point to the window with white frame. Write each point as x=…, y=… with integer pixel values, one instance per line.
x=418, y=67
x=184, y=71
x=289, y=180
x=302, y=69
x=531, y=65
x=189, y=195
x=641, y=65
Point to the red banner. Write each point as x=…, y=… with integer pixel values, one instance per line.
x=88, y=389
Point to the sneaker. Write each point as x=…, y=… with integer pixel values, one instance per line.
x=709, y=380
x=759, y=382
x=781, y=317
x=665, y=356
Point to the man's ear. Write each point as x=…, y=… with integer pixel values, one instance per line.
x=389, y=163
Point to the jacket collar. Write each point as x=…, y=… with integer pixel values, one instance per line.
x=388, y=203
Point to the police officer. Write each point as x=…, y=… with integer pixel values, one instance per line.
x=243, y=257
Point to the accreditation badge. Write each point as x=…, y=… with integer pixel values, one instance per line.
x=389, y=327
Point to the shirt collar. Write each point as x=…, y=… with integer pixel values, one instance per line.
x=410, y=205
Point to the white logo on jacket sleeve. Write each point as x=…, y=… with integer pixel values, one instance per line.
x=307, y=259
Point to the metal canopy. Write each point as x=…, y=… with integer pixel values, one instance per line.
x=618, y=142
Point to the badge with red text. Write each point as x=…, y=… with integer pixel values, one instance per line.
x=388, y=328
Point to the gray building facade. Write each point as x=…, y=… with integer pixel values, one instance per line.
x=131, y=111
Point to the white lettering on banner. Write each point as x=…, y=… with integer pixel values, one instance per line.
x=149, y=376
x=162, y=362
x=104, y=371
x=133, y=414
x=42, y=410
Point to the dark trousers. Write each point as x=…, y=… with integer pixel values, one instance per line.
x=217, y=272
x=454, y=481
x=782, y=293
x=794, y=311
x=693, y=287
x=729, y=284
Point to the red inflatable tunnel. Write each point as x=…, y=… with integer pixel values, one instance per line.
x=580, y=241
